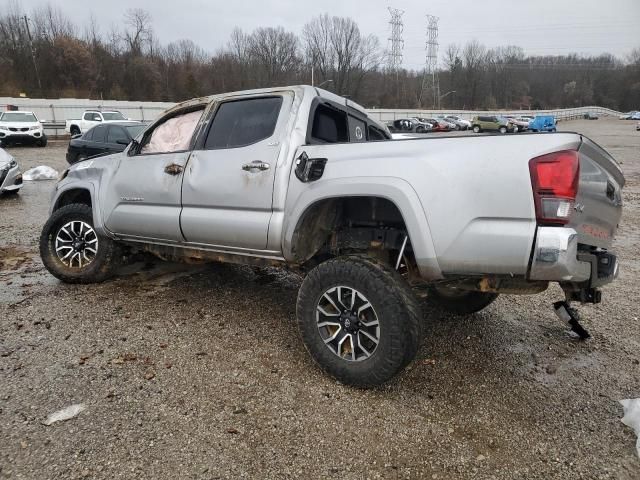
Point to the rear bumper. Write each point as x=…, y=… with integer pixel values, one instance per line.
x=556, y=258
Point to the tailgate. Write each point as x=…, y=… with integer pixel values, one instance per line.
x=598, y=204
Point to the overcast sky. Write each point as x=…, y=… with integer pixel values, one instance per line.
x=539, y=26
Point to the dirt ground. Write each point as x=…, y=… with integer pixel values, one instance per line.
x=199, y=372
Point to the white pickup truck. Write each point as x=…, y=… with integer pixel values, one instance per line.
x=302, y=178
x=91, y=118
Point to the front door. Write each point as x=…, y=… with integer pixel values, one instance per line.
x=228, y=184
x=143, y=196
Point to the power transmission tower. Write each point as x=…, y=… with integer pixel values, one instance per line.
x=394, y=60
x=430, y=83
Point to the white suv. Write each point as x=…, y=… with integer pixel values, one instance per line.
x=21, y=127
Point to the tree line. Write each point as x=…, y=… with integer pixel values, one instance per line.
x=48, y=56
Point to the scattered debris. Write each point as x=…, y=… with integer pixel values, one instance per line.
x=631, y=417
x=149, y=375
x=40, y=173
x=65, y=414
x=127, y=357
x=232, y=431
x=239, y=410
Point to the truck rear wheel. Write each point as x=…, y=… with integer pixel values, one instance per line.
x=460, y=302
x=359, y=320
x=72, y=250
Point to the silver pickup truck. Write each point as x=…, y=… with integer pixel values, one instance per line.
x=300, y=177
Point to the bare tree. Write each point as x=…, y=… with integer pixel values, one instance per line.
x=274, y=52
x=337, y=48
x=139, y=33
x=50, y=23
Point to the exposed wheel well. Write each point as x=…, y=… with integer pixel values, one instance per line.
x=338, y=226
x=77, y=195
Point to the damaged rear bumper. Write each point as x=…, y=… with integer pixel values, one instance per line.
x=556, y=257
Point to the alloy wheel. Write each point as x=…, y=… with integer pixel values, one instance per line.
x=348, y=323
x=76, y=244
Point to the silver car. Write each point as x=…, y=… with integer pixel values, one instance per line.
x=10, y=176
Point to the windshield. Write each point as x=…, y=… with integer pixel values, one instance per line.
x=134, y=130
x=113, y=116
x=18, y=117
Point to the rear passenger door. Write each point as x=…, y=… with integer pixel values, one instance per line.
x=228, y=183
x=97, y=144
x=117, y=139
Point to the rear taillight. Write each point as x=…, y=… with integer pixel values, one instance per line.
x=554, y=178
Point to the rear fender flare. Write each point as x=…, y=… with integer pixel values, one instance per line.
x=396, y=190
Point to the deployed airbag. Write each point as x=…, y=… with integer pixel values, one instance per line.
x=174, y=134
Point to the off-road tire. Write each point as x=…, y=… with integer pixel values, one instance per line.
x=107, y=258
x=74, y=130
x=503, y=130
x=476, y=129
x=42, y=142
x=397, y=309
x=461, y=302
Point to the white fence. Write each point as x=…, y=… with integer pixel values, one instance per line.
x=56, y=112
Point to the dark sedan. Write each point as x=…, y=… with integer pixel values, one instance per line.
x=105, y=138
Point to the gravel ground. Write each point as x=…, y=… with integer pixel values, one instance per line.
x=199, y=372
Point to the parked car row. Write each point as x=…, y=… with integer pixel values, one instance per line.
x=479, y=123
x=633, y=115
x=505, y=124
x=424, y=125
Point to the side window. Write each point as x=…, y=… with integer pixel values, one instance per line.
x=329, y=125
x=172, y=135
x=88, y=116
x=116, y=133
x=239, y=123
x=99, y=133
x=357, y=130
x=88, y=135
x=375, y=134
x=97, y=117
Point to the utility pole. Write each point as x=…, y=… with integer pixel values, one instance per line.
x=33, y=53
x=394, y=60
x=430, y=82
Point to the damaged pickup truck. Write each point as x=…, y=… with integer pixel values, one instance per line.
x=299, y=177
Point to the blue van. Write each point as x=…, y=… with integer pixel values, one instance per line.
x=543, y=123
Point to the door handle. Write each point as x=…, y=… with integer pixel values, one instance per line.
x=256, y=165
x=173, y=169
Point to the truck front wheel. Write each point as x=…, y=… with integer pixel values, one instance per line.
x=359, y=320
x=73, y=251
x=460, y=302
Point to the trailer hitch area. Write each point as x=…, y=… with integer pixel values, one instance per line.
x=570, y=315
